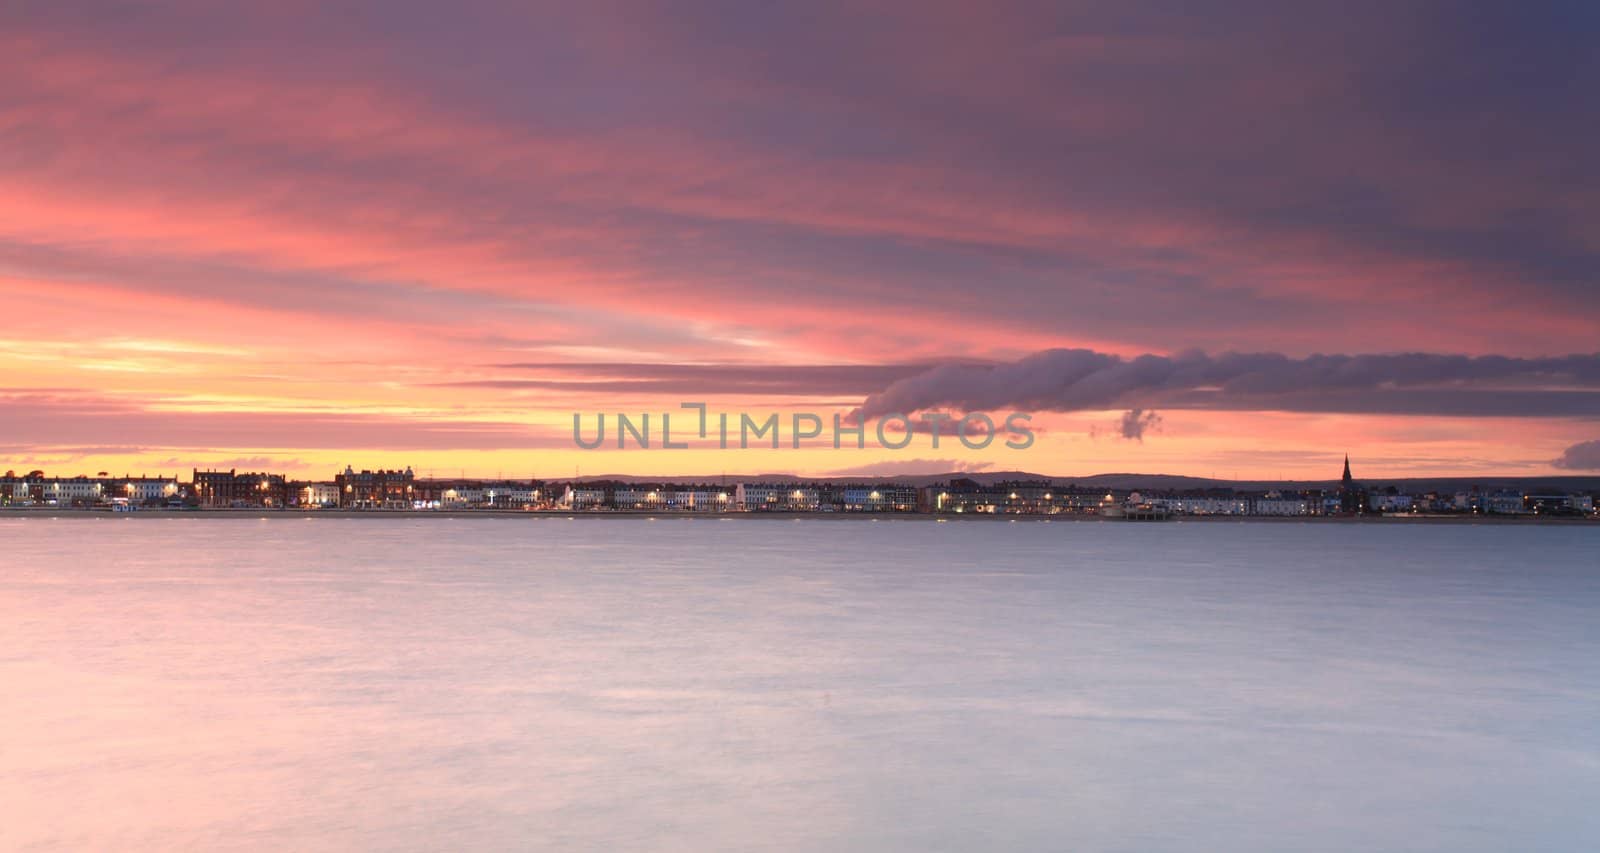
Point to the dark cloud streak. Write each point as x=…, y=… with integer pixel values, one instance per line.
x=1067, y=380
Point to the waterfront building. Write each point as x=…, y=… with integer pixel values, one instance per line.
x=584, y=496
x=474, y=494
x=1025, y=496
x=1070, y=499
x=883, y=497
x=963, y=495
x=638, y=497
x=513, y=495
x=700, y=498
x=1274, y=504
x=313, y=494
x=447, y=494
x=1201, y=505
x=1033, y=497
x=1558, y=504
x=1505, y=503
x=382, y=489
x=776, y=497
x=1433, y=502
x=21, y=491
x=233, y=488
x=1391, y=503
x=663, y=497
x=142, y=490
x=72, y=491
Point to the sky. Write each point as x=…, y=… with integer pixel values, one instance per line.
x=1225, y=239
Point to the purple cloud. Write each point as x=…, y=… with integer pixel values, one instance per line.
x=1583, y=456
x=1065, y=380
x=1135, y=422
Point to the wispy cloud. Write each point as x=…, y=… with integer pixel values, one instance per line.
x=909, y=467
x=38, y=421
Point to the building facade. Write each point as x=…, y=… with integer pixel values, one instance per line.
x=382, y=489
x=233, y=488
x=141, y=491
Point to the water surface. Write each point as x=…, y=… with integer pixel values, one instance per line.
x=434, y=684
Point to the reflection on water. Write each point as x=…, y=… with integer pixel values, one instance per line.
x=223, y=683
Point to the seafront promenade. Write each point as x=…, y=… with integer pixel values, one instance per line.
x=259, y=513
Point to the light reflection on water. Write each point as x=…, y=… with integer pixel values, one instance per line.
x=337, y=683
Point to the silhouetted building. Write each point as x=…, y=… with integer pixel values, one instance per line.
x=1352, y=498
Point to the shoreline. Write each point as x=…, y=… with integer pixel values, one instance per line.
x=508, y=514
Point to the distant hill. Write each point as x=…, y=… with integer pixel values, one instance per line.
x=1535, y=483
x=1159, y=482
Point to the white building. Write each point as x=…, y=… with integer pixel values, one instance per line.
x=501, y=495
x=1391, y=503
x=1209, y=506
x=756, y=497
x=701, y=500
x=1282, y=506
x=138, y=490
x=674, y=499
x=504, y=495
x=638, y=499
x=318, y=494
x=68, y=490
x=461, y=496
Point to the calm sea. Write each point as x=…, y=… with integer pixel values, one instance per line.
x=496, y=684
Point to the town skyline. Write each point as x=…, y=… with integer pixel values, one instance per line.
x=1135, y=498
x=916, y=470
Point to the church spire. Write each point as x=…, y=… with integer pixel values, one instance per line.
x=1352, y=500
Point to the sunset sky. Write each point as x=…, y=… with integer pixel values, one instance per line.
x=1231, y=239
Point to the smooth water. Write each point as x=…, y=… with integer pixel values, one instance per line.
x=493, y=684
